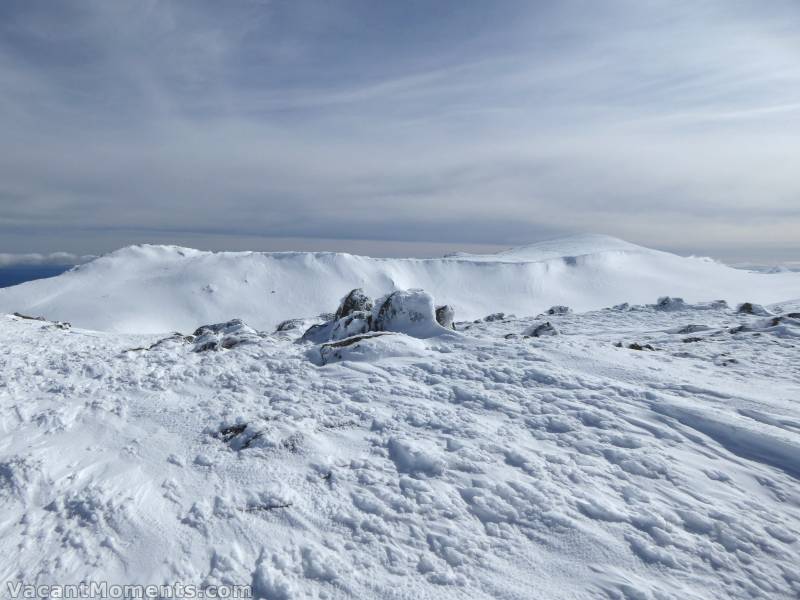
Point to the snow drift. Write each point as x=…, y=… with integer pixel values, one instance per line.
x=153, y=289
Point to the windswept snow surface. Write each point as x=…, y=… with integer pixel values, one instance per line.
x=472, y=464
x=152, y=289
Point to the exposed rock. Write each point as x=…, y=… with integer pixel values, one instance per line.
x=691, y=328
x=28, y=317
x=748, y=308
x=445, y=315
x=637, y=346
x=404, y=311
x=355, y=301
x=494, y=317
x=289, y=324
x=540, y=330
x=558, y=309
x=238, y=436
x=667, y=303
x=222, y=335
x=331, y=351
x=355, y=323
x=352, y=340
x=56, y=324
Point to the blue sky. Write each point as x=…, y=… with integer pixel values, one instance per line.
x=400, y=128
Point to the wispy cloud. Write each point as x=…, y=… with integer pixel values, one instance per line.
x=36, y=259
x=673, y=124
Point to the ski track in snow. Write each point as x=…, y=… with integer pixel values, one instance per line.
x=478, y=465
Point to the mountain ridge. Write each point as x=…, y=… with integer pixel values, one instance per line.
x=159, y=288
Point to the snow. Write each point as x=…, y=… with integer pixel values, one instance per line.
x=158, y=289
x=413, y=461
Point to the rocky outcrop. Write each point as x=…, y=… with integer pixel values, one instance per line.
x=355, y=301
x=666, y=303
x=355, y=323
x=404, y=311
x=56, y=324
x=222, y=335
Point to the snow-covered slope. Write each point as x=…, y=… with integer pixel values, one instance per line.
x=161, y=288
x=480, y=464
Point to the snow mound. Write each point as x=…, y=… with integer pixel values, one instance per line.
x=370, y=347
x=156, y=289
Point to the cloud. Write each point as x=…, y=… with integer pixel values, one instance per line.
x=35, y=259
x=672, y=124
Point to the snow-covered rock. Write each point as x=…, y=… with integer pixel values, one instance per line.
x=355, y=301
x=558, y=310
x=541, y=330
x=445, y=316
x=355, y=323
x=407, y=311
x=404, y=311
x=667, y=303
x=748, y=308
x=221, y=336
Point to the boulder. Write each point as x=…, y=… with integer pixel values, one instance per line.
x=356, y=323
x=222, y=335
x=748, y=308
x=638, y=346
x=406, y=311
x=445, y=315
x=667, y=304
x=355, y=301
x=558, y=309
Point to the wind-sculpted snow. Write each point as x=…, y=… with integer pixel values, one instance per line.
x=479, y=463
x=157, y=289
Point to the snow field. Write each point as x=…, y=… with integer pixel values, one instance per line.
x=480, y=464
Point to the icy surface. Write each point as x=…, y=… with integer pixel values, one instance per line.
x=477, y=464
x=158, y=289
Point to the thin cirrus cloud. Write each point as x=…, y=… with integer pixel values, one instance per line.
x=400, y=127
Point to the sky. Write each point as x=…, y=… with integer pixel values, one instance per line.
x=399, y=128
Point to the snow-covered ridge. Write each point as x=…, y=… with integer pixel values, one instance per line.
x=148, y=289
